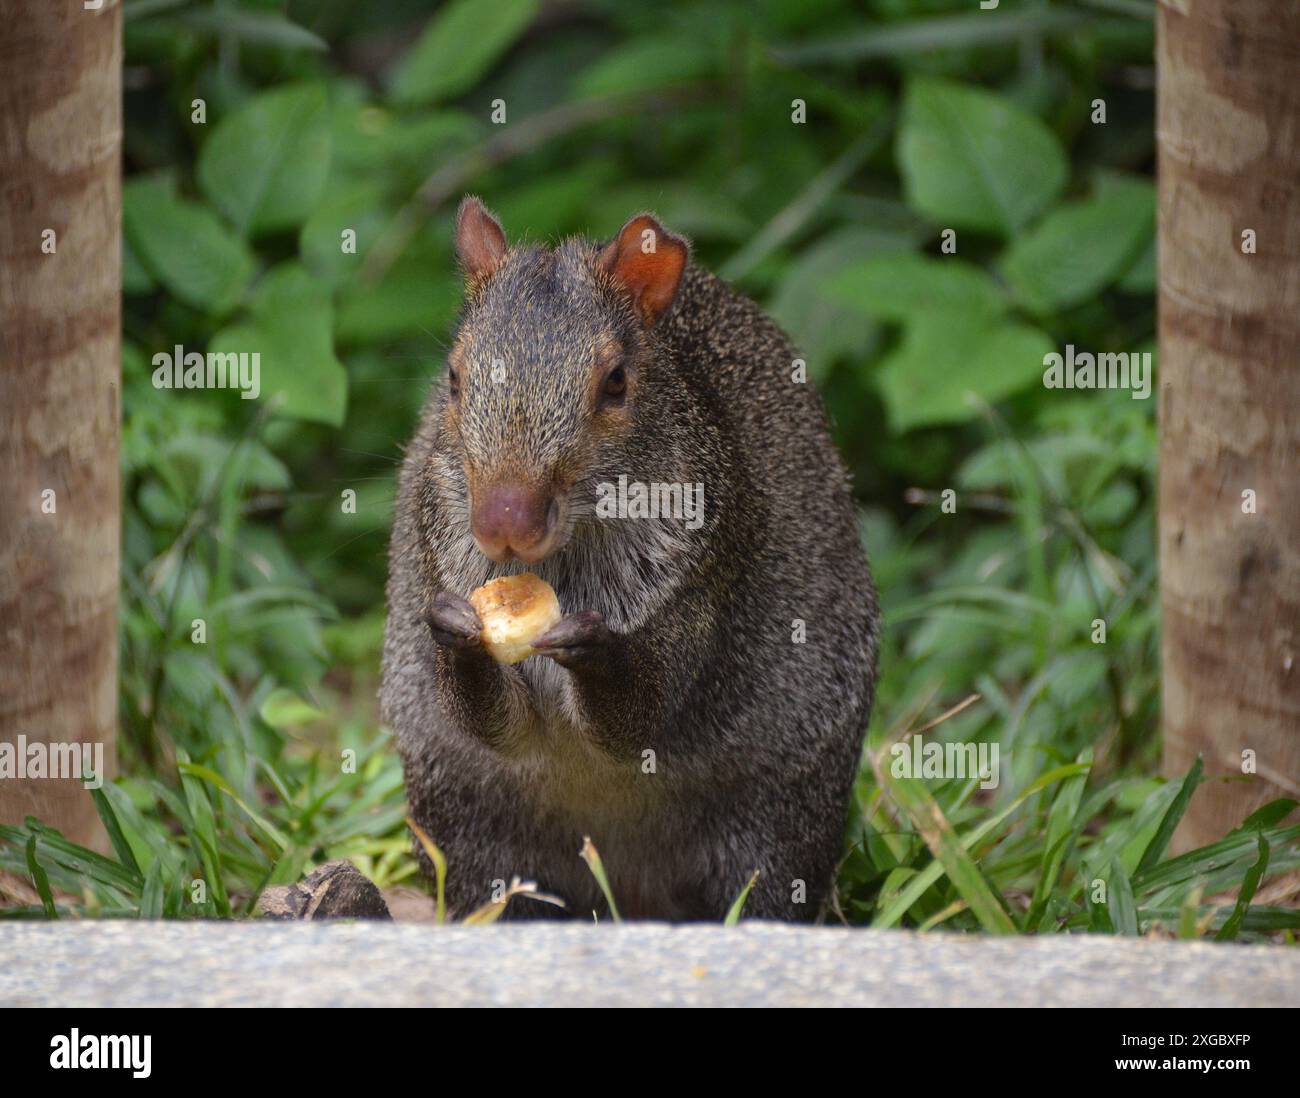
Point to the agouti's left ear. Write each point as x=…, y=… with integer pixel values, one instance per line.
x=480, y=241
x=646, y=260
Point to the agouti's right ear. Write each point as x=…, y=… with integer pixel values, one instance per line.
x=647, y=261
x=480, y=241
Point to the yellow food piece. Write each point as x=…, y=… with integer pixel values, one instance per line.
x=515, y=611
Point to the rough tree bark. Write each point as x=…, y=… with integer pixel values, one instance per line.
x=60, y=311
x=1228, y=130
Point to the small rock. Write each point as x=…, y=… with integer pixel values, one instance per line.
x=337, y=890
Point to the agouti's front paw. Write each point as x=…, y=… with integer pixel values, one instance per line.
x=576, y=639
x=452, y=621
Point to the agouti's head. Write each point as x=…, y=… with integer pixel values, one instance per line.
x=547, y=374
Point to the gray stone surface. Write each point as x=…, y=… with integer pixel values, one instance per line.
x=318, y=964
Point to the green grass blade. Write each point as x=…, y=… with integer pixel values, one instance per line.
x=1097, y=858
x=125, y=854
x=204, y=837
x=1119, y=900
x=1061, y=832
x=1189, y=915
x=78, y=859
x=917, y=885
x=1097, y=914
x=152, y=896
x=738, y=905
x=934, y=827
x=209, y=775
x=1160, y=840
x=591, y=856
x=439, y=861
x=1206, y=859
x=40, y=880
x=1230, y=929
x=1268, y=815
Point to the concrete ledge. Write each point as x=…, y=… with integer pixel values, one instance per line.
x=646, y=964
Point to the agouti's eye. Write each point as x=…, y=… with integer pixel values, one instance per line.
x=615, y=386
x=453, y=381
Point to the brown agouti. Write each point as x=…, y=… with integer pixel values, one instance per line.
x=638, y=434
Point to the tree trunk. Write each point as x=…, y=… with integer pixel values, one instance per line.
x=60, y=313
x=1229, y=144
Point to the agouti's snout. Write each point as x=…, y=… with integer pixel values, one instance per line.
x=515, y=521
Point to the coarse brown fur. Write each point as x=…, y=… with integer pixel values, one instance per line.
x=705, y=742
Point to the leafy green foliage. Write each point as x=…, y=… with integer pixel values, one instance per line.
x=909, y=287
x=266, y=164
x=973, y=160
x=940, y=375
x=458, y=46
x=256, y=753
x=291, y=323
x=185, y=247
x=1081, y=247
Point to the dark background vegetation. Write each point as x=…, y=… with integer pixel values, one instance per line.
x=922, y=115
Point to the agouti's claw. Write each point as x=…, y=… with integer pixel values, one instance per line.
x=575, y=638
x=452, y=621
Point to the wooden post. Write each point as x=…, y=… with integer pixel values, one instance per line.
x=60, y=317
x=1228, y=131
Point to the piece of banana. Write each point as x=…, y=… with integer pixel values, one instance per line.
x=515, y=611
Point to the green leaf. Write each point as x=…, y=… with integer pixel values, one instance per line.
x=148, y=838
x=261, y=28
x=643, y=64
x=1268, y=815
x=942, y=361
x=283, y=709
x=1160, y=840
x=1140, y=277
x=359, y=208
x=1113, y=844
x=40, y=880
x=591, y=856
x=141, y=9
x=1258, y=919
x=153, y=893
x=125, y=855
x=1207, y=859
x=971, y=159
x=916, y=287
x=82, y=861
x=1062, y=830
x=1188, y=915
x=265, y=165
x=1119, y=901
x=374, y=145
x=916, y=885
x=136, y=278
x=202, y=830
x=1250, y=883
x=738, y=905
x=458, y=46
x=185, y=246
x=915, y=799
x=1081, y=247
x=953, y=32
x=822, y=326
x=439, y=861
x=209, y=775
x=412, y=298
x=291, y=329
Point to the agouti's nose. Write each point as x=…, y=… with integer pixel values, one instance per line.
x=514, y=521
